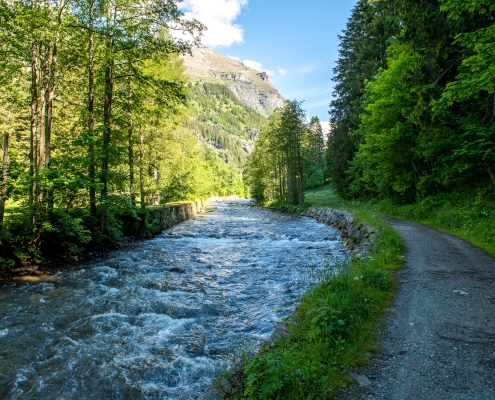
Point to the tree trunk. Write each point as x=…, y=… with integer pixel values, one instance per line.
x=33, y=140
x=131, y=146
x=300, y=185
x=5, y=164
x=141, y=162
x=44, y=61
x=91, y=112
x=107, y=119
x=50, y=97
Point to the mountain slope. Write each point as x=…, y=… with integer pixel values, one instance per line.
x=251, y=87
x=225, y=124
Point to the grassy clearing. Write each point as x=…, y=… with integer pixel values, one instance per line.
x=333, y=330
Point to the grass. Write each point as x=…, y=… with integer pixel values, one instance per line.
x=466, y=215
x=470, y=217
x=333, y=330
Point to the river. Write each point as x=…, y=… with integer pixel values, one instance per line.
x=160, y=320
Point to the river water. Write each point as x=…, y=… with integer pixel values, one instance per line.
x=159, y=321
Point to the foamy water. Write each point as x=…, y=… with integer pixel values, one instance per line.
x=160, y=321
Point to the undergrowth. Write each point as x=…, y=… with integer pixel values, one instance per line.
x=467, y=215
x=332, y=331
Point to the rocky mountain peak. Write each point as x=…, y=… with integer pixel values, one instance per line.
x=251, y=87
x=264, y=77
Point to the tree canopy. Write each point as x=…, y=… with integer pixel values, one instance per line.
x=94, y=124
x=420, y=121
x=287, y=158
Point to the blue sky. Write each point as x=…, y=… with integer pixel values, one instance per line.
x=295, y=41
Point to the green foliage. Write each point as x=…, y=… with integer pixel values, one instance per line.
x=287, y=157
x=386, y=158
x=465, y=214
x=362, y=53
x=93, y=112
x=422, y=120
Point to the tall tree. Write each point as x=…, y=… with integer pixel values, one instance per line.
x=362, y=53
x=278, y=165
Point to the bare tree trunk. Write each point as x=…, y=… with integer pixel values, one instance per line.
x=33, y=142
x=131, y=146
x=5, y=164
x=141, y=162
x=49, y=102
x=44, y=61
x=91, y=111
x=107, y=117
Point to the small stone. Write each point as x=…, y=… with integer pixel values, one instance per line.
x=460, y=292
x=361, y=379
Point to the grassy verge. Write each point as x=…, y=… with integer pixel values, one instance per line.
x=333, y=330
x=467, y=215
x=471, y=217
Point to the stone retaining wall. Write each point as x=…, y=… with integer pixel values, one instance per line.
x=173, y=214
x=358, y=237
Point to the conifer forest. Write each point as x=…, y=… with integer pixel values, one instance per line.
x=414, y=107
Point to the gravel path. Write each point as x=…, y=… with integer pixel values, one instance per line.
x=438, y=341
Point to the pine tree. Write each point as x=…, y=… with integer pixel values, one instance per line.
x=362, y=53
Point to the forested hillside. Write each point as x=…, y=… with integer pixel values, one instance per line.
x=227, y=125
x=414, y=111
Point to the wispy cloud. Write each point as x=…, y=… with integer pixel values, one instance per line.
x=258, y=66
x=219, y=17
x=313, y=67
x=282, y=71
x=314, y=92
x=315, y=104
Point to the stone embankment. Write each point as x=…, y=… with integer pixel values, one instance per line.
x=166, y=216
x=173, y=214
x=359, y=237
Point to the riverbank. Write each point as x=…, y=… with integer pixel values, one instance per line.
x=159, y=219
x=334, y=329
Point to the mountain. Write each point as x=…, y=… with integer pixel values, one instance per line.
x=251, y=87
x=229, y=104
x=223, y=122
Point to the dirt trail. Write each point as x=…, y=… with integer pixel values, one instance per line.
x=438, y=341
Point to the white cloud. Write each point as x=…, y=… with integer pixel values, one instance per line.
x=258, y=66
x=325, y=126
x=234, y=58
x=219, y=17
x=253, y=64
x=315, y=92
x=282, y=71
